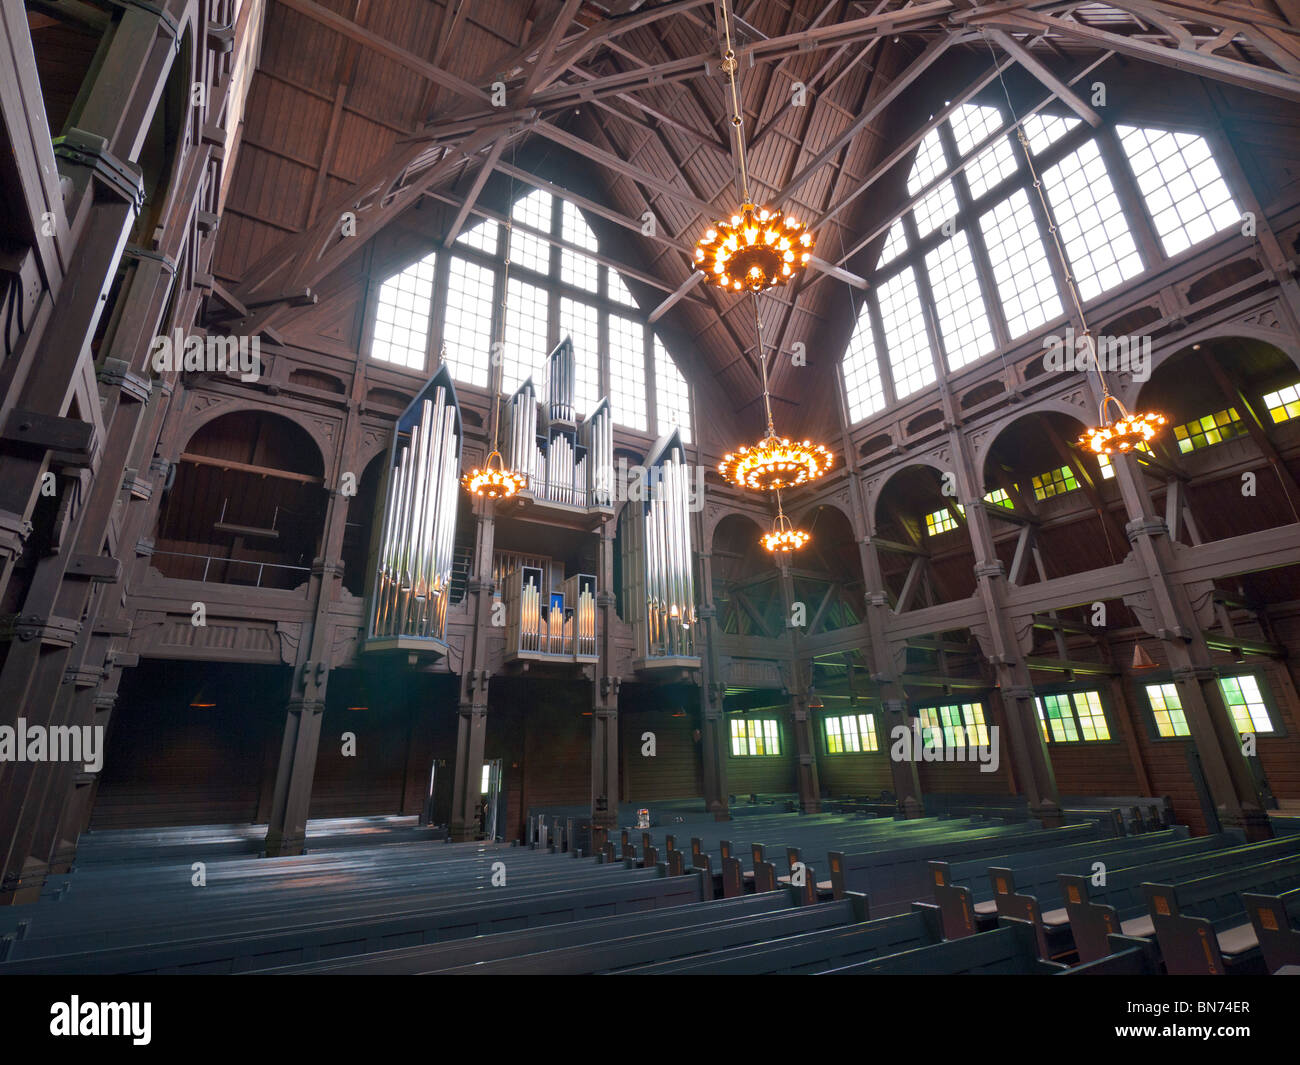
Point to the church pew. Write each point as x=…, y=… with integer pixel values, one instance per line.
x=1008, y=950
x=1129, y=956
x=1201, y=925
x=1276, y=920
x=1120, y=906
x=470, y=915
x=435, y=956
x=810, y=952
x=666, y=947
x=900, y=875
x=819, y=838
x=887, y=836
x=1026, y=884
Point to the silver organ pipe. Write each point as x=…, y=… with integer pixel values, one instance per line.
x=580, y=593
x=545, y=624
x=412, y=583
x=659, y=560
x=560, y=370
x=522, y=442
x=598, y=475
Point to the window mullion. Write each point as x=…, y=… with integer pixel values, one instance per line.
x=925, y=294
x=652, y=419
x=1037, y=197
x=438, y=308
x=881, y=352
x=1131, y=200
x=975, y=241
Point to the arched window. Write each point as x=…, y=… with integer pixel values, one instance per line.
x=967, y=264
x=558, y=286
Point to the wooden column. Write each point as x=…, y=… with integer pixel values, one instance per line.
x=713, y=721
x=473, y=707
x=1166, y=611
x=801, y=724
x=604, y=695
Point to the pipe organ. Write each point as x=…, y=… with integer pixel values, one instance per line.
x=565, y=461
x=658, y=559
x=546, y=624
x=417, y=536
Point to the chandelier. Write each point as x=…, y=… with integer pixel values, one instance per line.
x=495, y=481
x=757, y=248
x=1127, y=432
x=754, y=250
x=784, y=537
x=775, y=462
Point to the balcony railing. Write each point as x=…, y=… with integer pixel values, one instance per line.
x=215, y=569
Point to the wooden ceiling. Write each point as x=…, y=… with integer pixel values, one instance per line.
x=373, y=106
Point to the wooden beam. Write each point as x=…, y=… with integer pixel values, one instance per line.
x=679, y=294
x=1188, y=59
x=471, y=197
x=1039, y=70
x=248, y=467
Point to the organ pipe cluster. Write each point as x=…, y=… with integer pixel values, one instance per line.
x=658, y=561
x=565, y=461
x=540, y=623
x=413, y=575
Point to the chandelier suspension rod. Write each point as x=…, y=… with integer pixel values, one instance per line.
x=729, y=64
x=762, y=367
x=499, y=370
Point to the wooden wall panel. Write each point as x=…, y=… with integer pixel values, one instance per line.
x=854, y=775
x=1093, y=769
x=168, y=763
x=373, y=780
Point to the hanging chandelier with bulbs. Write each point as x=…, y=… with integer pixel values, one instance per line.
x=774, y=462
x=757, y=248
x=784, y=537
x=1127, y=432
x=493, y=481
x=753, y=251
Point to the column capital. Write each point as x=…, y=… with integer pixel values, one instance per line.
x=1018, y=691
x=990, y=569
x=1140, y=527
